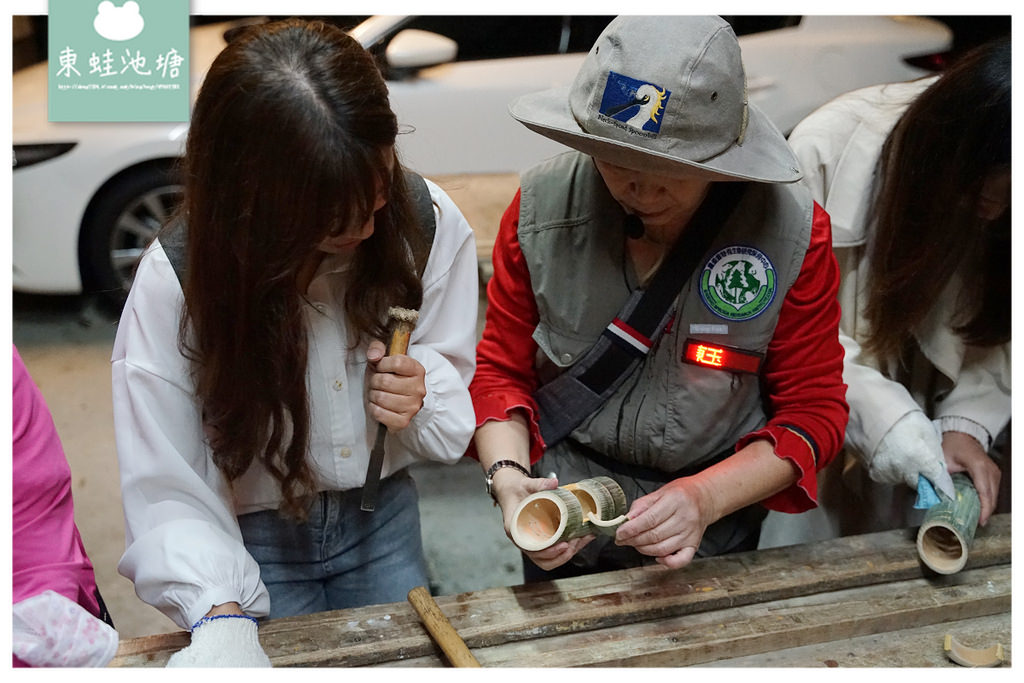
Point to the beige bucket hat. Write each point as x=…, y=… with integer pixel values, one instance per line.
x=664, y=95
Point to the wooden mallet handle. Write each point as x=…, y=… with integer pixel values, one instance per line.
x=441, y=630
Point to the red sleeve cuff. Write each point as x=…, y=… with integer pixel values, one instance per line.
x=499, y=406
x=803, y=494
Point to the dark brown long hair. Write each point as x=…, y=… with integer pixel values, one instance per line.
x=932, y=170
x=288, y=144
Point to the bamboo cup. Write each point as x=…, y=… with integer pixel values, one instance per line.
x=946, y=534
x=592, y=506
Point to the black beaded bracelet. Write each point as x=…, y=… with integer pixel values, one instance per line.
x=489, y=477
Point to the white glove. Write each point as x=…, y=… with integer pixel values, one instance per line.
x=224, y=640
x=51, y=630
x=911, y=448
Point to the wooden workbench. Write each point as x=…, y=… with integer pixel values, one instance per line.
x=855, y=601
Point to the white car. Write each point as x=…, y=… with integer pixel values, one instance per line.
x=89, y=197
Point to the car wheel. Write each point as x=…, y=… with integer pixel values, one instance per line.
x=121, y=222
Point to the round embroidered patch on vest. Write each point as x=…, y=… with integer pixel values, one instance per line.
x=738, y=283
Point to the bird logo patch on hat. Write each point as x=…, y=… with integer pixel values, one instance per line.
x=634, y=105
x=738, y=283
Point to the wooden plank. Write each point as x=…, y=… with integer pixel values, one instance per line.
x=150, y=650
x=913, y=647
x=755, y=629
x=392, y=632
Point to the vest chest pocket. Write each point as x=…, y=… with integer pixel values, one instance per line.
x=703, y=407
x=709, y=408
x=557, y=351
x=717, y=356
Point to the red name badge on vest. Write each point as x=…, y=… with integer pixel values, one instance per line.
x=719, y=357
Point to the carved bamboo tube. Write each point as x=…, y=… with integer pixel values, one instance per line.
x=948, y=528
x=590, y=506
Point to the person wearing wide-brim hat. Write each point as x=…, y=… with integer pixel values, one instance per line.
x=710, y=399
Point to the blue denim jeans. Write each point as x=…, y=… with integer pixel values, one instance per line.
x=341, y=556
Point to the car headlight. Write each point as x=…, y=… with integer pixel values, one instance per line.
x=26, y=155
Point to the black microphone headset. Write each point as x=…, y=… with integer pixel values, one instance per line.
x=633, y=226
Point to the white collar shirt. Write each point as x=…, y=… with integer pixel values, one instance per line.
x=184, y=549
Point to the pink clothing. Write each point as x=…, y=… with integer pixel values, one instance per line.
x=46, y=551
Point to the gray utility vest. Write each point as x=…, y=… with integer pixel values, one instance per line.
x=669, y=414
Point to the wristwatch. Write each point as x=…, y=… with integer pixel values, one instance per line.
x=489, y=477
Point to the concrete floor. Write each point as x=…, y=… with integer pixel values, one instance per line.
x=66, y=343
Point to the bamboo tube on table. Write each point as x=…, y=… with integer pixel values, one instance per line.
x=946, y=534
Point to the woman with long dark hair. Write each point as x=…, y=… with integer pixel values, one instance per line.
x=916, y=178
x=250, y=372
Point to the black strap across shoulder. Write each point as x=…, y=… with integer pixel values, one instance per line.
x=575, y=394
x=173, y=239
x=423, y=205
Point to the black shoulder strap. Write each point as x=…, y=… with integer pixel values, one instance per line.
x=173, y=239
x=173, y=236
x=423, y=206
x=578, y=392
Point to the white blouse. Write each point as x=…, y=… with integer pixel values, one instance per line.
x=184, y=549
x=838, y=147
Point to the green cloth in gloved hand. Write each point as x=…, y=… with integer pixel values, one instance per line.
x=926, y=496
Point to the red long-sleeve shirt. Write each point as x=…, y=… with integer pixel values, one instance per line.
x=802, y=371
